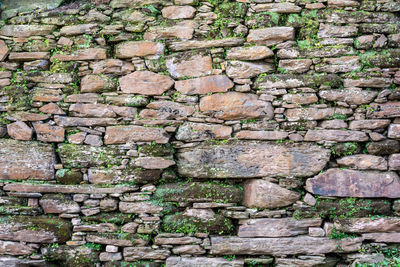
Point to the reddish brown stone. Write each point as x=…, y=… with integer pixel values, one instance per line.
x=261, y=135
x=112, y=66
x=368, y=124
x=83, y=54
x=138, y=49
x=368, y=225
x=394, y=162
x=385, y=110
x=266, y=195
x=52, y=108
x=204, y=85
x=131, y=133
x=73, y=121
x=178, y=12
x=234, y=106
x=48, y=133
x=96, y=83
x=92, y=110
x=58, y=204
x=166, y=110
x=26, y=30
x=145, y=83
x=28, y=56
x=194, y=66
x=249, y=53
x=27, y=116
x=182, y=30
x=351, y=183
x=19, y=131
x=336, y=135
x=3, y=50
x=200, y=131
x=270, y=36
x=364, y=162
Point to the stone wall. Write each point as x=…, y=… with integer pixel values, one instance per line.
x=200, y=133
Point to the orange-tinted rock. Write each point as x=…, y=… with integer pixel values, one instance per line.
x=48, y=133
x=351, y=183
x=74, y=121
x=92, y=110
x=3, y=50
x=27, y=116
x=194, y=66
x=145, y=83
x=138, y=49
x=96, y=83
x=201, y=131
x=166, y=110
x=178, y=12
x=204, y=85
x=364, y=162
x=52, y=108
x=131, y=133
x=26, y=30
x=82, y=54
x=234, y=106
x=266, y=195
x=183, y=30
x=28, y=56
x=26, y=160
x=19, y=131
x=249, y=53
x=79, y=29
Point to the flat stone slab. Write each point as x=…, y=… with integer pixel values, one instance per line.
x=12, y=7
x=248, y=159
x=224, y=245
x=352, y=183
x=202, y=262
x=26, y=160
x=67, y=189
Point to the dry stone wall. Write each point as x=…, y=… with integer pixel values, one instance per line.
x=200, y=133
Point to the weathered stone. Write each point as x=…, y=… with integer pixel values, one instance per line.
x=188, y=250
x=351, y=183
x=329, y=31
x=97, y=83
x=153, y=162
x=28, y=56
x=302, y=99
x=112, y=257
x=249, y=53
x=178, y=12
x=48, y=133
x=306, y=261
x=138, y=49
x=382, y=237
x=364, y=162
x=336, y=135
x=263, y=194
x=394, y=131
x=166, y=110
x=261, y=135
x=202, y=262
x=82, y=54
x=282, y=227
x=341, y=64
x=52, y=108
x=193, y=66
x=3, y=50
x=282, y=246
x=15, y=248
x=384, y=110
x=112, y=66
x=20, y=131
x=394, y=162
x=368, y=225
x=349, y=95
x=131, y=133
x=342, y=3
x=270, y=36
x=311, y=114
x=204, y=85
x=58, y=204
x=247, y=159
x=295, y=65
x=35, y=229
x=145, y=83
x=384, y=147
x=373, y=82
x=26, y=30
x=188, y=45
x=116, y=240
x=24, y=160
x=145, y=253
x=244, y=70
x=101, y=228
x=91, y=110
x=11, y=8
x=74, y=121
x=234, y=105
x=182, y=30
x=198, y=192
x=79, y=29
x=139, y=207
x=191, y=131
x=286, y=81
x=368, y=124
x=278, y=8
x=78, y=156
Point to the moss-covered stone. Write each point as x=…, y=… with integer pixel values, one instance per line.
x=115, y=218
x=66, y=176
x=197, y=192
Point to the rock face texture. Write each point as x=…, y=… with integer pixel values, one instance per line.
x=199, y=133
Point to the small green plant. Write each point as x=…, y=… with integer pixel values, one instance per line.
x=337, y=235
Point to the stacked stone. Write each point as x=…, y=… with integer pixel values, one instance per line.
x=200, y=133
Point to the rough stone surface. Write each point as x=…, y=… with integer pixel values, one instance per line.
x=145, y=83
x=352, y=183
x=247, y=159
x=204, y=85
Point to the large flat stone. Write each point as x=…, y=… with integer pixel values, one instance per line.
x=26, y=160
x=132, y=133
x=145, y=83
x=15, y=248
x=26, y=30
x=12, y=7
x=204, y=85
x=67, y=189
x=274, y=227
x=270, y=36
x=352, y=183
x=202, y=262
x=368, y=225
x=336, y=136
x=385, y=110
x=282, y=246
x=251, y=159
x=188, y=45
